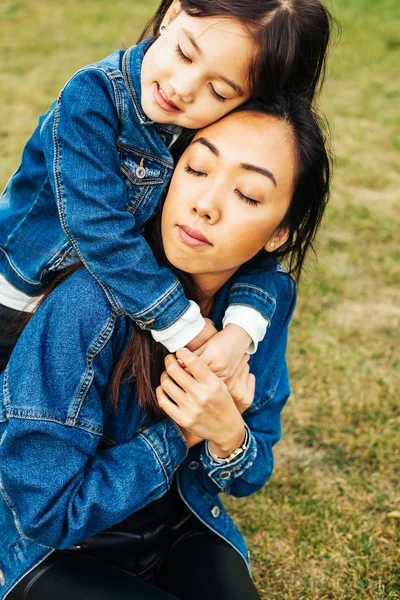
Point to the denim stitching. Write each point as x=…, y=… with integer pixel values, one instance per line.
x=141, y=182
x=253, y=287
x=160, y=301
x=160, y=460
x=45, y=416
x=60, y=204
x=142, y=153
x=88, y=377
x=38, y=283
x=12, y=508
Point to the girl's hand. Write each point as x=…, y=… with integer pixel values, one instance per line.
x=197, y=400
x=242, y=385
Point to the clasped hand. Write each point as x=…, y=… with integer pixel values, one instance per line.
x=202, y=404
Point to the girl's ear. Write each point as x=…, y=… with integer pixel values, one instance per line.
x=277, y=240
x=171, y=13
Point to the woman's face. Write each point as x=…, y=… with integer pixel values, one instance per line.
x=231, y=188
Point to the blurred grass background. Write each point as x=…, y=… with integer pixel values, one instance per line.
x=326, y=526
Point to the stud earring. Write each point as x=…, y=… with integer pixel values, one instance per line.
x=272, y=244
x=163, y=28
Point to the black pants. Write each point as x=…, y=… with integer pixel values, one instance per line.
x=11, y=325
x=198, y=566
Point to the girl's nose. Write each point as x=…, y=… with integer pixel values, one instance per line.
x=184, y=88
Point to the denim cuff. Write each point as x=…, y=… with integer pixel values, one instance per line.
x=249, y=295
x=224, y=474
x=168, y=444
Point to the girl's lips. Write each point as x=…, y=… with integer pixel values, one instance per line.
x=184, y=232
x=162, y=102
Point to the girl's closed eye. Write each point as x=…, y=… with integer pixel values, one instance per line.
x=182, y=55
x=215, y=94
x=246, y=199
x=193, y=172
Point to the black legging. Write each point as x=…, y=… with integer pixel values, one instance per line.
x=198, y=566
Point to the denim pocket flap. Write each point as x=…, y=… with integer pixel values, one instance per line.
x=141, y=170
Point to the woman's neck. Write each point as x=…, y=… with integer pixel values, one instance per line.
x=208, y=285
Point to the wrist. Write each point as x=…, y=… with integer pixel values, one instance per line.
x=242, y=338
x=225, y=448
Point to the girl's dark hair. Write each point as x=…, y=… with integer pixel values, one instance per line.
x=292, y=37
x=143, y=358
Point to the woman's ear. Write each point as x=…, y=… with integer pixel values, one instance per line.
x=171, y=13
x=277, y=240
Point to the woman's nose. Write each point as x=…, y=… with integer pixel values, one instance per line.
x=207, y=207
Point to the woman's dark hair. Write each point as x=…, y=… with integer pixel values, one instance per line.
x=292, y=37
x=143, y=358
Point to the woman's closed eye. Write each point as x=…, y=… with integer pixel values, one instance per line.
x=193, y=172
x=246, y=199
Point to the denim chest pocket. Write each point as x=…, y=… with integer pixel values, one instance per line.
x=142, y=175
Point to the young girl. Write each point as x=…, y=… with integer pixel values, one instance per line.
x=95, y=169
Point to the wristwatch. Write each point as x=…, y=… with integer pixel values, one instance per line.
x=234, y=454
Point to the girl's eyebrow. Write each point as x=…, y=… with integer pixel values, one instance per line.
x=195, y=45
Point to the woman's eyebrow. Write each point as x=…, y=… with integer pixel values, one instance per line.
x=261, y=170
x=195, y=45
x=208, y=144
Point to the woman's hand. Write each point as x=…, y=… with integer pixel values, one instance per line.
x=198, y=401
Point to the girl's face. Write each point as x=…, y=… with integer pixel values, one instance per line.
x=197, y=70
x=229, y=193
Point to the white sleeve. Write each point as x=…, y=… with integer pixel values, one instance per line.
x=183, y=331
x=248, y=319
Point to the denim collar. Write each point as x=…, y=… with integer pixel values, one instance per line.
x=132, y=66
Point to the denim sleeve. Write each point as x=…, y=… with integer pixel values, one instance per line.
x=59, y=484
x=256, y=289
x=84, y=169
x=253, y=468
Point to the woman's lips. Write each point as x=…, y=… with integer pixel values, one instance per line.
x=163, y=102
x=192, y=237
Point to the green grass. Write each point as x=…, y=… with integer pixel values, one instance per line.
x=325, y=527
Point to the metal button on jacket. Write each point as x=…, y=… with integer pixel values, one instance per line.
x=193, y=464
x=225, y=475
x=140, y=172
x=215, y=511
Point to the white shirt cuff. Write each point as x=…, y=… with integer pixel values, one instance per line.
x=183, y=331
x=248, y=319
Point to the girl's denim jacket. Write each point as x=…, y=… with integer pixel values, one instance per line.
x=91, y=175
x=70, y=466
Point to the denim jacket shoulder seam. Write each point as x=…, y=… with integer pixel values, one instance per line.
x=61, y=209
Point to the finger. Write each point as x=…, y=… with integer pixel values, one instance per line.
x=180, y=375
x=243, y=369
x=200, y=371
x=172, y=389
x=251, y=386
x=166, y=405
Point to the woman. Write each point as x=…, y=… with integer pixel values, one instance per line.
x=109, y=489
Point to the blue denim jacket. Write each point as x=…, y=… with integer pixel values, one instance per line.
x=70, y=466
x=91, y=175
